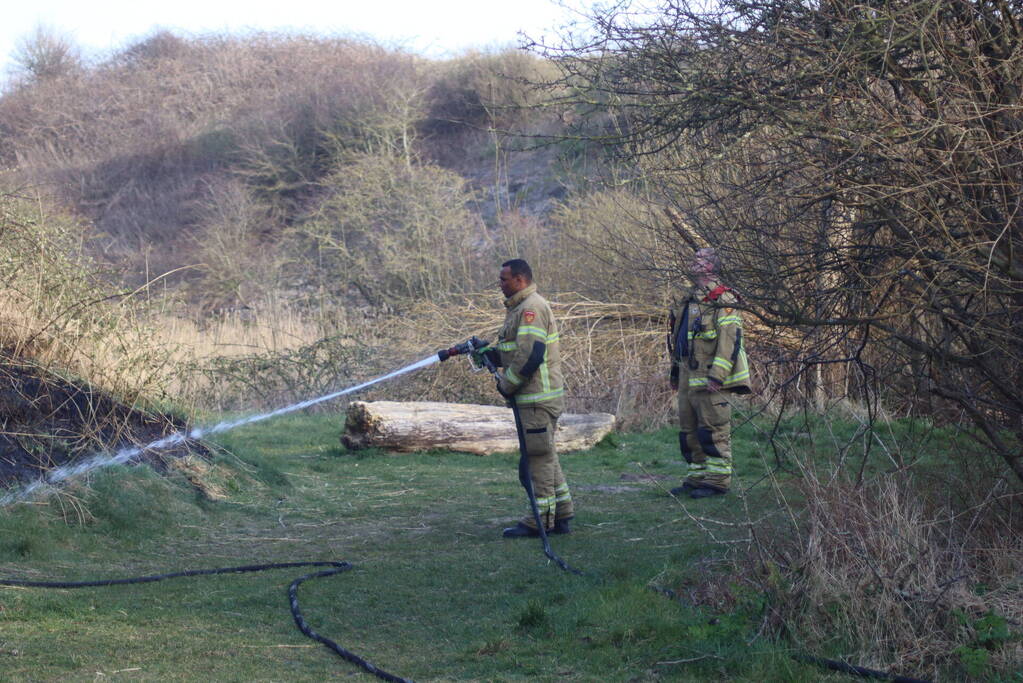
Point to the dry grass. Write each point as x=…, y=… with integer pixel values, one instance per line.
x=273, y=329
x=612, y=354
x=114, y=351
x=896, y=581
x=197, y=349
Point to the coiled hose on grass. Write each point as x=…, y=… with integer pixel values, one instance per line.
x=300, y=622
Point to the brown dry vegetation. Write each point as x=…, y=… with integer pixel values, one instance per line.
x=123, y=136
x=899, y=573
x=857, y=165
x=179, y=150
x=267, y=205
x=283, y=216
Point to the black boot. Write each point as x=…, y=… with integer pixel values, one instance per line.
x=561, y=526
x=682, y=490
x=706, y=492
x=520, y=530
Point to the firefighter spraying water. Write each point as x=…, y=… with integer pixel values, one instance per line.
x=482, y=356
x=525, y=360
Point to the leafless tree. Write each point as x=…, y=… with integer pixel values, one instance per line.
x=858, y=164
x=45, y=54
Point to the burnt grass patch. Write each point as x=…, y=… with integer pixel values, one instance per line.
x=47, y=421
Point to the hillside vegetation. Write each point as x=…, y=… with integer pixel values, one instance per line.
x=276, y=163
x=233, y=223
x=310, y=185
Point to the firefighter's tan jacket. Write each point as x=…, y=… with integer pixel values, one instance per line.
x=532, y=378
x=712, y=346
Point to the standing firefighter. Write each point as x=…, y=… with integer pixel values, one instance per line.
x=708, y=359
x=531, y=373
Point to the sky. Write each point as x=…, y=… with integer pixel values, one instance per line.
x=433, y=28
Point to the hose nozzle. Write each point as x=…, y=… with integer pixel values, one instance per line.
x=473, y=346
x=456, y=350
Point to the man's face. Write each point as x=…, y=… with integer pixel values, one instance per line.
x=702, y=263
x=510, y=284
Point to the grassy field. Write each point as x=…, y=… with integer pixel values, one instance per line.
x=435, y=593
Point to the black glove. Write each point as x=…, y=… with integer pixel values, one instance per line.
x=505, y=394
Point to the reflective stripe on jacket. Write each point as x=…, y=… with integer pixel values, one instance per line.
x=712, y=345
x=528, y=320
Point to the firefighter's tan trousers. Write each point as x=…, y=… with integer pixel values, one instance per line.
x=705, y=436
x=549, y=485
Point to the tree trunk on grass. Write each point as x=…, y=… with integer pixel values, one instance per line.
x=418, y=426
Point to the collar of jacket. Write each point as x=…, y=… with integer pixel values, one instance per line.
x=698, y=292
x=519, y=296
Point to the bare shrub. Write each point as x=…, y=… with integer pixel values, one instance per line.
x=45, y=55
x=521, y=235
x=339, y=103
x=891, y=579
x=238, y=267
x=159, y=45
x=615, y=255
x=394, y=232
x=485, y=90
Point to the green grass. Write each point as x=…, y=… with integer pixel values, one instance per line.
x=436, y=593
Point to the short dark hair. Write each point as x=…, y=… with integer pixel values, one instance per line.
x=519, y=266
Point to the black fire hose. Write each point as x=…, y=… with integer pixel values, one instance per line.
x=300, y=622
x=526, y=480
x=853, y=670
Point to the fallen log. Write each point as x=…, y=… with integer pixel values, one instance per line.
x=422, y=425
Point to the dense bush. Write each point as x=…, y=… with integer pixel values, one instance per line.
x=485, y=90
x=58, y=308
x=394, y=231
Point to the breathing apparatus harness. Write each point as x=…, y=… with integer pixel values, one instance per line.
x=684, y=345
